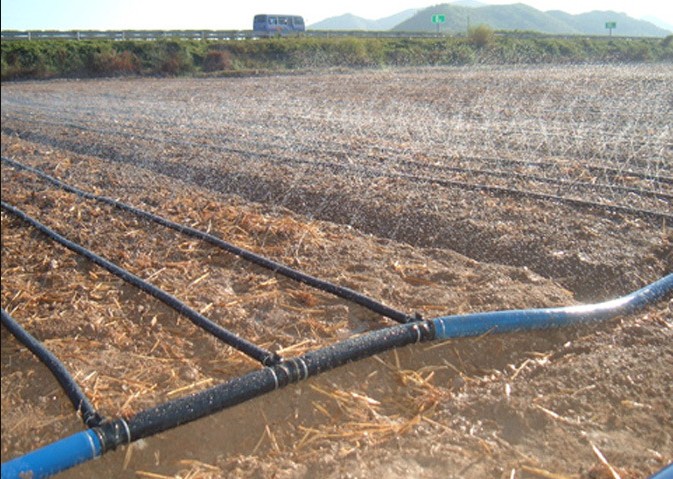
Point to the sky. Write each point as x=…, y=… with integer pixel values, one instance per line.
x=228, y=15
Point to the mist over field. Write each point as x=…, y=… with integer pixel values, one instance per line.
x=437, y=177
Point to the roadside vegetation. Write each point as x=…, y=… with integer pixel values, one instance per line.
x=43, y=59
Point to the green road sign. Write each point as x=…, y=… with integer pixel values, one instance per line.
x=610, y=26
x=438, y=18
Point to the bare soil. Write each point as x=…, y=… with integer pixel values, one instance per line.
x=437, y=191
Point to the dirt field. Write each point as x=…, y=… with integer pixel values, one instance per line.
x=439, y=191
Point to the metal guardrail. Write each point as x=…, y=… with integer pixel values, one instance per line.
x=249, y=34
x=128, y=35
x=192, y=34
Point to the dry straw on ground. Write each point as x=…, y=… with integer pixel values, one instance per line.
x=202, y=154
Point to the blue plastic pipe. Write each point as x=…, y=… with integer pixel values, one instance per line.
x=55, y=457
x=665, y=473
x=84, y=446
x=476, y=324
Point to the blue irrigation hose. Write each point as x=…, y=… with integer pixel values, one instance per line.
x=665, y=473
x=475, y=324
x=54, y=458
x=182, y=410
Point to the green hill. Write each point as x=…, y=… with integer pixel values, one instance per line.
x=524, y=18
x=593, y=23
x=349, y=22
x=498, y=17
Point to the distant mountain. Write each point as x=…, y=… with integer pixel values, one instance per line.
x=659, y=23
x=593, y=23
x=351, y=22
x=468, y=3
x=344, y=22
x=388, y=23
x=463, y=13
x=499, y=17
x=523, y=17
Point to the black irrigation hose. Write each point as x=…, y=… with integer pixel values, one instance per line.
x=560, y=182
x=368, y=172
x=90, y=416
x=496, y=190
x=496, y=173
x=91, y=443
x=607, y=171
x=189, y=408
x=260, y=354
x=267, y=263
x=615, y=172
x=513, y=192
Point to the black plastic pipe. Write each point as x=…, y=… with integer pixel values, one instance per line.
x=340, y=291
x=236, y=391
x=89, y=444
x=265, y=357
x=90, y=416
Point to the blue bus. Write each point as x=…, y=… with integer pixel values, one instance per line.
x=268, y=25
